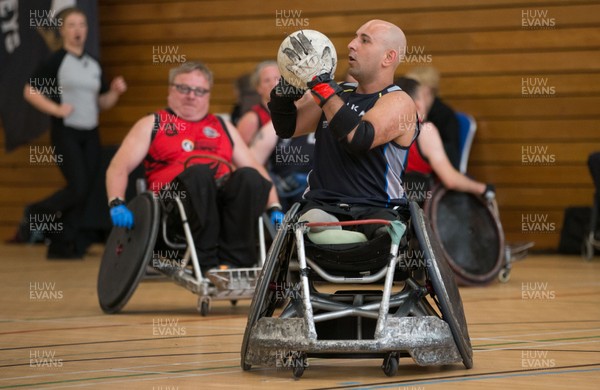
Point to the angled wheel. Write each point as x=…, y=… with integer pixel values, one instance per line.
x=127, y=253
x=469, y=233
x=204, y=306
x=444, y=284
x=587, y=247
x=504, y=275
x=390, y=364
x=298, y=365
x=264, y=301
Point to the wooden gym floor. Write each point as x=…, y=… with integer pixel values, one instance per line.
x=540, y=330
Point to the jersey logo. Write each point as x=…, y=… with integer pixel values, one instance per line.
x=170, y=129
x=209, y=132
x=187, y=145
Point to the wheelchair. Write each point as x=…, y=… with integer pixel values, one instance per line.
x=591, y=237
x=161, y=242
x=472, y=238
x=418, y=313
x=469, y=231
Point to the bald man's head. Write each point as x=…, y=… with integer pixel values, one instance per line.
x=391, y=37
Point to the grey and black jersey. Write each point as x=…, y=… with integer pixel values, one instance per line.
x=78, y=81
x=339, y=176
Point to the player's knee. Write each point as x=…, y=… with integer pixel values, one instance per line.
x=247, y=176
x=199, y=170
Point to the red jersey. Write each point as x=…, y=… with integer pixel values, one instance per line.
x=416, y=161
x=175, y=140
x=264, y=115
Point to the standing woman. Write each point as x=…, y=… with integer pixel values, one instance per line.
x=69, y=87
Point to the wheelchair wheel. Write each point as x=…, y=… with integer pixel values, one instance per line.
x=469, y=233
x=444, y=284
x=127, y=253
x=504, y=275
x=204, y=306
x=390, y=364
x=587, y=247
x=264, y=301
x=298, y=366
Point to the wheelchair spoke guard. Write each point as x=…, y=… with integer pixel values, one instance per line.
x=444, y=284
x=127, y=253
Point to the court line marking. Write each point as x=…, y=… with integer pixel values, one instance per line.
x=536, y=345
x=543, y=333
x=113, y=369
x=188, y=374
x=473, y=377
x=469, y=379
x=121, y=341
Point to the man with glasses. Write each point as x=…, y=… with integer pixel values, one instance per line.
x=189, y=152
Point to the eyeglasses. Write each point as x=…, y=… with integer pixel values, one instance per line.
x=184, y=89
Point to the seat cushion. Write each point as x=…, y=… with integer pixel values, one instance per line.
x=336, y=237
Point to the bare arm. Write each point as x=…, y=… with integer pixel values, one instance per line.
x=109, y=99
x=308, y=115
x=393, y=118
x=432, y=148
x=264, y=143
x=242, y=157
x=130, y=154
x=248, y=126
x=44, y=104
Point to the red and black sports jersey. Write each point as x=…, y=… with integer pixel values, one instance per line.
x=416, y=161
x=175, y=141
x=264, y=116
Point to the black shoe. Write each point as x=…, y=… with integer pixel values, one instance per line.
x=24, y=234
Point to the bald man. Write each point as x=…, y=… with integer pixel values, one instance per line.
x=363, y=130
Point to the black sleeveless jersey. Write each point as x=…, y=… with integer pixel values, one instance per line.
x=373, y=178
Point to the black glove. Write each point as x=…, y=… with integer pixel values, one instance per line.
x=490, y=192
x=283, y=109
x=283, y=89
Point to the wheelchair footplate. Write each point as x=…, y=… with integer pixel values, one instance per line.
x=238, y=282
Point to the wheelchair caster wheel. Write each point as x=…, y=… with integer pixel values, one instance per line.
x=204, y=307
x=504, y=275
x=233, y=302
x=390, y=364
x=587, y=250
x=298, y=365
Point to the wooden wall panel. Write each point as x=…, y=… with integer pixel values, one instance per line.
x=485, y=53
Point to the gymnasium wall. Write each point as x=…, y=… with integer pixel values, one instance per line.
x=528, y=71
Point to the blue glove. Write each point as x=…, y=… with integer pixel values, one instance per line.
x=121, y=216
x=276, y=216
